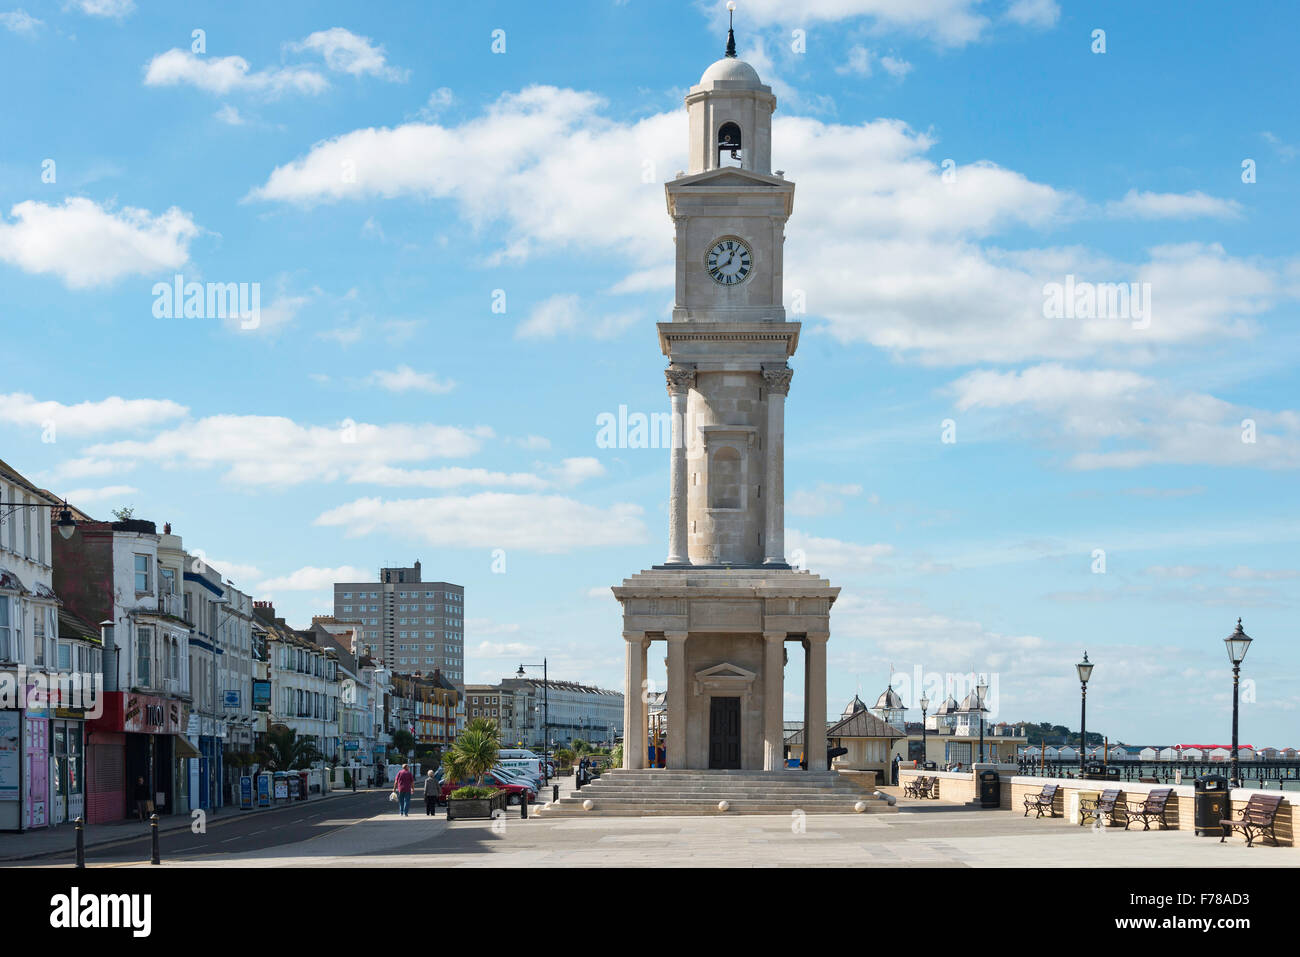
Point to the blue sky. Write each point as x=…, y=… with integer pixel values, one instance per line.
x=382, y=176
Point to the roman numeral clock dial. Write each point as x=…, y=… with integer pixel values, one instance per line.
x=729, y=262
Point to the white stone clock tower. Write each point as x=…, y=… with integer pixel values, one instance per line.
x=725, y=600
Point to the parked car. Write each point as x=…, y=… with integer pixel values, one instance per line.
x=515, y=789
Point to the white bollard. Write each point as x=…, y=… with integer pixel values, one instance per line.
x=588, y=804
x=860, y=806
x=724, y=805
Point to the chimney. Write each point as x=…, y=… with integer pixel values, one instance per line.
x=167, y=528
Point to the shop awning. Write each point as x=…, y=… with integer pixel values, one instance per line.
x=183, y=747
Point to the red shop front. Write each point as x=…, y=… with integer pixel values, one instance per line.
x=132, y=739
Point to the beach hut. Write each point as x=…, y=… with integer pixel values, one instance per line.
x=1169, y=753
x=1149, y=753
x=1188, y=752
x=1064, y=753
x=1218, y=753
x=1287, y=754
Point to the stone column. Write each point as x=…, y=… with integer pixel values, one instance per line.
x=680, y=380
x=773, y=700
x=634, y=728
x=814, y=725
x=676, y=744
x=778, y=386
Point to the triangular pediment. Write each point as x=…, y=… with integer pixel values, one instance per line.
x=730, y=176
x=725, y=670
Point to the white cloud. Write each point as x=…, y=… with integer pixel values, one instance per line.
x=445, y=478
x=903, y=262
x=231, y=571
x=499, y=649
x=1034, y=13
x=86, y=468
x=20, y=21
x=565, y=314
x=858, y=62
x=86, y=244
x=895, y=66
x=825, y=498
x=406, y=379
x=1247, y=573
x=535, y=443
x=1124, y=420
x=544, y=523
x=832, y=553
x=275, y=451
x=1193, y=205
x=346, y=52
x=951, y=23
x=105, y=8
x=223, y=75
x=311, y=578
x=229, y=115
x=577, y=470
x=79, y=496
x=113, y=414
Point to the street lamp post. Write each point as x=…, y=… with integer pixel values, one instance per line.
x=1084, y=668
x=925, y=706
x=66, y=525
x=214, y=786
x=1237, y=643
x=546, y=715
x=980, y=690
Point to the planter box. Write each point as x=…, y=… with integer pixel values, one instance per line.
x=464, y=809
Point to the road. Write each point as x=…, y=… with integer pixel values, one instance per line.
x=234, y=836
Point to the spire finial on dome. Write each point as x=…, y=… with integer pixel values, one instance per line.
x=731, y=32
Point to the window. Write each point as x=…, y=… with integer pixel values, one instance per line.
x=38, y=637
x=64, y=655
x=141, y=574
x=168, y=580
x=143, y=654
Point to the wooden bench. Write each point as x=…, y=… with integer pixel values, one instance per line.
x=1151, y=808
x=914, y=787
x=1255, y=820
x=1108, y=803
x=1042, y=801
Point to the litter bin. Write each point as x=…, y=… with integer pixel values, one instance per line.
x=990, y=789
x=1210, y=799
x=929, y=766
x=1094, y=771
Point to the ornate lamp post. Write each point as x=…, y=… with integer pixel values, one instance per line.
x=980, y=690
x=925, y=706
x=546, y=716
x=1237, y=643
x=1084, y=668
x=66, y=524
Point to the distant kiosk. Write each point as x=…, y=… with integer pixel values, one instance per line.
x=726, y=601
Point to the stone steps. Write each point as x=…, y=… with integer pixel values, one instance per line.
x=657, y=793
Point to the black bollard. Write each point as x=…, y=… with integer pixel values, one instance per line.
x=555, y=793
x=523, y=805
x=81, y=843
x=153, y=826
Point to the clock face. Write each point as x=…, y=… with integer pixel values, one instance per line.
x=729, y=262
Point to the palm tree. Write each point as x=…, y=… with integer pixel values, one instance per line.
x=285, y=751
x=474, y=753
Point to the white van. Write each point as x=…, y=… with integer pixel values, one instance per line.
x=521, y=761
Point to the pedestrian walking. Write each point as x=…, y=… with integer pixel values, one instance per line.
x=403, y=786
x=142, y=799
x=431, y=788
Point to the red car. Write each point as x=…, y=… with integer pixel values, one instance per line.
x=491, y=780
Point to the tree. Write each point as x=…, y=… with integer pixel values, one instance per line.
x=580, y=747
x=285, y=751
x=125, y=513
x=474, y=753
x=403, y=741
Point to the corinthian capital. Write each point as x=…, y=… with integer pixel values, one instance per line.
x=680, y=379
x=778, y=379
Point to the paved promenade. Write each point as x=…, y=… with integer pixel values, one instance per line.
x=920, y=835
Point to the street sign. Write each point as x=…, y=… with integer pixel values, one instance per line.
x=231, y=699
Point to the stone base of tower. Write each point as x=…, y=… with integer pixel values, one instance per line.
x=726, y=632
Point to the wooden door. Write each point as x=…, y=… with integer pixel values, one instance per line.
x=724, y=733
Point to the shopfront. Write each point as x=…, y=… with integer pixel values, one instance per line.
x=133, y=740
x=68, y=772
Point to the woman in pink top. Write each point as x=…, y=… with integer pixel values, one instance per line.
x=404, y=784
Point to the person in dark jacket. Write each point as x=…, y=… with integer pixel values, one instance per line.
x=431, y=789
x=142, y=798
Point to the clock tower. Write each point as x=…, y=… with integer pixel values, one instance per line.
x=725, y=600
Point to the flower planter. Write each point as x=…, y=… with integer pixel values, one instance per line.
x=465, y=809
